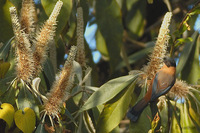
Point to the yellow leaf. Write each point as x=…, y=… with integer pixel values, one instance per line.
x=4, y=67
x=25, y=120
x=7, y=113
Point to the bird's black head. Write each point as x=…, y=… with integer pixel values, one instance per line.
x=169, y=62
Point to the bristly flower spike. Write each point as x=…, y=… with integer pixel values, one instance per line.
x=45, y=35
x=62, y=86
x=159, y=52
x=24, y=66
x=80, y=58
x=180, y=89
x=28, y=17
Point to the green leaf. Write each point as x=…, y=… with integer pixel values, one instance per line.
x=187, y=124
x=40, y=128
x=9, y=95
x=183, y=40
x=135, y=18
x=25, y=120
x=4, y=84
x=49, y=71
x=6, y=31
x=115, y=110
x=88, y=122
x=7, y=113
x=27, y=99
x=4, y=50
x=190, y=71
x=164, y=117
x=175, y=128
x=101, y=45
x=143, y=124
x=185, y=54
x=108, y=16
x=108, y=91
x=4, y=67
x=194, y=115
x=135, y=57
x=77, y=70
x=64, y=15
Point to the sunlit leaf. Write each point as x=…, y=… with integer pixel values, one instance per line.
x=77, y=70
x=143, y=124
x=187, y=124
x=64, y=14
x=135, y=18
x=108, y=91
x=7, y=113
x=194, y=115
x=6, y=31
x=27, y=99
x=175, y=126
x=101, y=45
x=88, y=122
x=191, y=68
x=115, y=110
x=186, y=54
x=4, y=66
x=108, y=16
x=25, y=120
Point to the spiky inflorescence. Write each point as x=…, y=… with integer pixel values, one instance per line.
x=180, y=89
x=80, y=58
x=159, y=52
x=45, y=35
x=24, y=54
x=27, y=18
x=62, y=86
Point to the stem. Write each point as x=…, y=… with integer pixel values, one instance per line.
x=181, y=24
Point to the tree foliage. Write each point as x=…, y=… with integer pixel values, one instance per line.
x=42, y=91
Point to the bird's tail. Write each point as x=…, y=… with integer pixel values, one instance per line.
x=134, y=113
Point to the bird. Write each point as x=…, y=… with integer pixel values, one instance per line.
x=161, y=83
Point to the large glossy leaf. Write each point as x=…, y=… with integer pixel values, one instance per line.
x=186, y=122
x=135, y=18
x=115, y=110
x=7, y=113
x=40, y=129
x=108, y=91
x=175, y=128
x=190, y=72
x=27, y=99
x=25, y=120
x=186, y=54
x=143, y=124
x=9, y=95
x=136, y=57
x=64, y=15
x=5, y=49
x=101, y=45
x=5, y=22
x=4, y=67
x=4, y=84
x=49, y=71
x=109, y=22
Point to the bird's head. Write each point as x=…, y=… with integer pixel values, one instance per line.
x=169, y=62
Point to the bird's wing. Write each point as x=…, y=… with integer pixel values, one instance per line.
x=161, y=86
